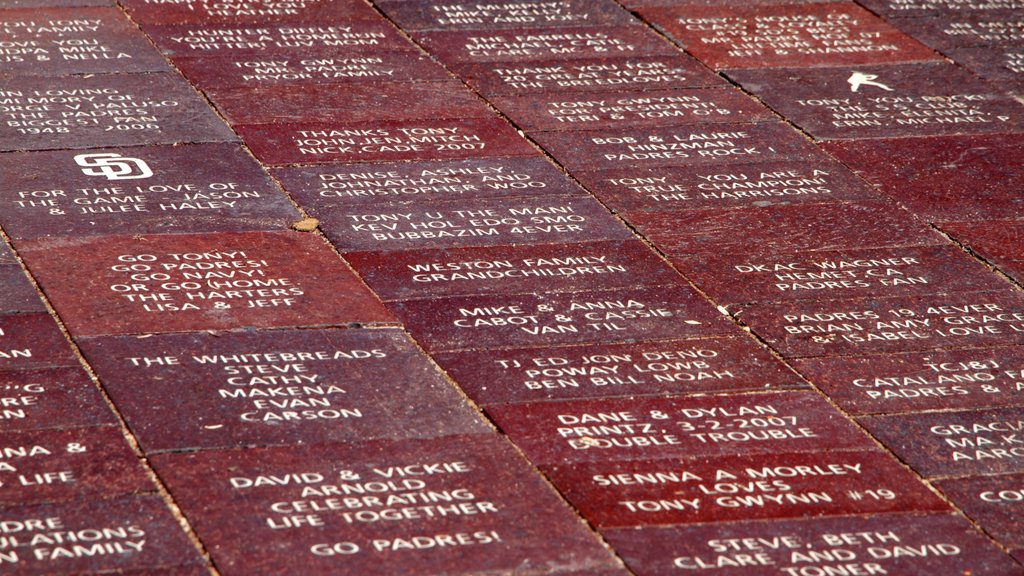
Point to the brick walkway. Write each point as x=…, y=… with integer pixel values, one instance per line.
x=559, y=287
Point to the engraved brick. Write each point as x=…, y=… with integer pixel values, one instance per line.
x=526, y=44
x=71, y=464
x=322, y=68
x=460, y=224
x=51, y=398
x=805, y=35
x=731, y=489
x=159, y=189
x=879, y=272
x=475, y=493
x=748, y=185
x=639, y=108
x=115, y=110
x=874, y=325
x=936, y=380
x=59, y=42
x=329, y=142
x=881, y=544
x=645, y=428
x=444, y=272
x=273, y=41
x=668, y=71
x=999, y=28
x=994, y=502
x=690, y=145
x=259, y=12
x=380, y=183
x=134, y=533
x=961, y=443
x=151, y=284
x=917, y=8
x=526, y=320
x=885, y=101
x=459, y=15
x=707, y=365
x=187, y=391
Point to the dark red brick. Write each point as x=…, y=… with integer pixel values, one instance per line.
x=1001, y=242
x=551, y=433
x=923, y=99
x=16, y=293
x=875, y=325
x=781, y=229
x=961, y=443
x=757, y=184
x=804, y=35
x=961, y=29
x=994, y=502
x=55, y=3
x=499, y=515
x=632, y=4
x=933, y=176
x=196, y=188
x=149, y=284
x=885, y=544
x=374, y=184
x=279, y=41
x=695, y=144
x=32, y=341
x=117, y=110
x=322, y=68
x=460, y=224
x=261, y=12
x=1003, y=67
x=194, y=570
x=879, y=272
x=557, y=111
x=522, y=268
x=917, y=8
x=460, y=15
x=72, y=464
x=937, y=380
x=390, y=102
x=6, y=256
x=187, y=391
x=330, y=142
x=51, y=398
x=135, y=533
x=708, y=365
x=667, y=71
x=61, y=42
x=529, y=44
x=731, y=489
x=524, y=320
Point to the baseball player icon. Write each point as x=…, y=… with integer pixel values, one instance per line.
x=858, y=79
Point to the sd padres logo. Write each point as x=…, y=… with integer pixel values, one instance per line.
x=113, y=166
